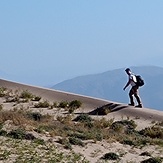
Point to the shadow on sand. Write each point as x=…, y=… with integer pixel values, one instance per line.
x=108, y=108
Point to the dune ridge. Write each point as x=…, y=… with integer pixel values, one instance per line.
x=89, y=104
x=60, y=128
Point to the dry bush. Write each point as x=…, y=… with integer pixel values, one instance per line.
x=26, y=95
x=65, y=119
x=3, y=91
x=110, y=156
x=65, y=142
x=1, y=107
x=63, y=104
x=84, y=118
x=153, y=160
x=153, y=132
x=44, y=104
x=76, y=141
x=103, y=123
x=17, y=118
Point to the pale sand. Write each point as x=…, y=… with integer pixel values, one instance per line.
x=93, y=151
x=88, y=103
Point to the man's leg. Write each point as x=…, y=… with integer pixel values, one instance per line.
x=131, y=97
x=136, y=94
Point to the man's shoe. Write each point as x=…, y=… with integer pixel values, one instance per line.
x=131, y=104
x=139, y=106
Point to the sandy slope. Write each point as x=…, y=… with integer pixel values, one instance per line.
x=88, y=103
x=93, y=151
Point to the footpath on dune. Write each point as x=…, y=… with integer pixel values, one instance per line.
x=89, y=104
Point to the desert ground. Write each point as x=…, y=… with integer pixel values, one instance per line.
x=45, y=125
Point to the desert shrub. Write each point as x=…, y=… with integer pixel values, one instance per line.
x=55, y=104
x=133, y=139
x=26, y=95
x=81, y=135
x=39, y=141
x=75, y=104
x=78, y=135
x=141, y=141
x=36, y=98
x=160, y=123
x=65, y=143
x=1, y=107
x=23, y=100
x=65, y=130
x=44, y=104
x=91, y=133
x=29, y=136
x=152, y=132
x=71, y=110
x=103, y=123
x=13, y=99
x=125, y=126
x=39, y=129
x=4, y=155
x=103, y=110
x=63, y=104
x=1, y=126
x=110, y=156
x=89, y=125
x=83, y=118
x=2, y=91
x=87, y=134
x=36, y=116
x=76, y=141
x=145, y=154
x=153, y=160
x=45, y=127
x=127, y=141
x=117, y=127
x=17, y=117
x=65, y=119
x=3, y=133
x=70, y=105
x=20, y=134
x=129, y=123
x=99, y=136
x=17, y=134
x=157, y=142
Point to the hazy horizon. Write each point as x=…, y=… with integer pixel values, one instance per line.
x=49, y=84
x=45, y=42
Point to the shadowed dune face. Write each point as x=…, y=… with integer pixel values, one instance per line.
x=90, y=105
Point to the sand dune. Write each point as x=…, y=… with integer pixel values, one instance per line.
x=89, y=103
x=93, y=151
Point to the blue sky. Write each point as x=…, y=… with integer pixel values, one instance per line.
x=46, y=42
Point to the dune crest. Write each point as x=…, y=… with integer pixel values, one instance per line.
x=106, y=126
x=89, y=104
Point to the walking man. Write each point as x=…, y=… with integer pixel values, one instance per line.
x=134, y=89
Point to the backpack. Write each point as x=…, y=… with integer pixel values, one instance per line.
x=140, y=81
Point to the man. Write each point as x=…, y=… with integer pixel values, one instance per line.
x=134, y=89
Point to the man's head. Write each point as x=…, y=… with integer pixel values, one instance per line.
x=128, y=71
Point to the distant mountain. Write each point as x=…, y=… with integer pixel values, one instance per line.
x=109, y=85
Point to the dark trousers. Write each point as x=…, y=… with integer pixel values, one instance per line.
x=134, y=91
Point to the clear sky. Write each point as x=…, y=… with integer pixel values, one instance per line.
x=44, y=42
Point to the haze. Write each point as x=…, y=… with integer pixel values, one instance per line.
x=46, y=42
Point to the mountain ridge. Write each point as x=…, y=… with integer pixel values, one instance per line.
x=109, y=85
